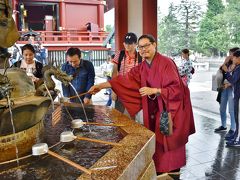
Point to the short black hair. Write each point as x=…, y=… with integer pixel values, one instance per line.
x=237, y=53
x=147, y=36
x=73, y=51
x=233, y=49
x=185, y=51
x=29, y=47
x=130, y=38
x=112, y=56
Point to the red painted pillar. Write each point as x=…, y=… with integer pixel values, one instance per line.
x=150, y=17
x=101, y=16
x=62, y=15
x=121, y=22
x=14, y=8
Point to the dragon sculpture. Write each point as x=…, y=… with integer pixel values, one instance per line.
x=5, y=87
x=9, y=33
x=48, y=84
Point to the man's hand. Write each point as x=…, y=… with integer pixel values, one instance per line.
x=86, y=101
x=144, y=91
x=94, y=89
x=114, y=96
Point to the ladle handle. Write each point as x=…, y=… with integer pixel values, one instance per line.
x=103, y=124
x=81, y=168
x=78, y=95
x=98, y=141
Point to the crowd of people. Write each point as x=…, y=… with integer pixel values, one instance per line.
x=146, y=80
x=140, y=79
x=228, y=80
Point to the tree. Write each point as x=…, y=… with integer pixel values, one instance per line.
x=231, y=18
x=108, y=28
x=189, y=14
x=212, y=29
x=169, y=33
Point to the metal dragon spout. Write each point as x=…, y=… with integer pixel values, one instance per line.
x=48, y=81
x=5, y=87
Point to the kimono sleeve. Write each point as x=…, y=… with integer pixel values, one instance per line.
x=127, y=89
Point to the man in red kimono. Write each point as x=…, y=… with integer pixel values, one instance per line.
x=147, y=86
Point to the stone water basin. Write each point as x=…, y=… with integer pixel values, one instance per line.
x=132, y=160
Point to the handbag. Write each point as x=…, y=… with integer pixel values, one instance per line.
x=166, y=125
x=217, y=80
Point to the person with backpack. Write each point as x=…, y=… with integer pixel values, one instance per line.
x=124, y=61
x=155, y=86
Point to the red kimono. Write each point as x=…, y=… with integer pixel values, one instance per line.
x=162, y=73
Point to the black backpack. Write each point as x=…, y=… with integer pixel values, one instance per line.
x=122, y=55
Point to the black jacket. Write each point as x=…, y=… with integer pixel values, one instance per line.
x=38, y=73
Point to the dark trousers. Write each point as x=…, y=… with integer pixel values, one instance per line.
x=119, y=106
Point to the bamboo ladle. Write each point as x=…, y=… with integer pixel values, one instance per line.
x=68, y=136
x=42, y=148
x=77, y=123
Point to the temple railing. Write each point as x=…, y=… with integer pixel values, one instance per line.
x=65, y=37
x=97, y=57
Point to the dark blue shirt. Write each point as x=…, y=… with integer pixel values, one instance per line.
x=234, y=79
x=84, y=76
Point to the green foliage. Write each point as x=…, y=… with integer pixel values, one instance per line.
x=212, y=33
x=179, y=28
x=168, y=32
x=212, y=36
x=214, y=7
x=108, y=28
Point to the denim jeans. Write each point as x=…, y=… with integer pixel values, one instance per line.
x=227, y=98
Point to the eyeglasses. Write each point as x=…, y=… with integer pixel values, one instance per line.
x=146, y=46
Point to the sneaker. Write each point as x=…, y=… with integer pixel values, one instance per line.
x=230, y=134
x=219, y=129
x=233, y=144
x=231, y=138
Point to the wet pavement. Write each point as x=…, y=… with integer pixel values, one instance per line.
x=207, y=154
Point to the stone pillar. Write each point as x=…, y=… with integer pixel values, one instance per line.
x=135, y=17
x=138, y=16
x=150, y=17
x=121, y=22
x=62, y=9
x=101, y=16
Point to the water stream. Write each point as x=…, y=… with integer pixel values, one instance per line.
x=49, y=95
x=81, y=104
x=13, y=127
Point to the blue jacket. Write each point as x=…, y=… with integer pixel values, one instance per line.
x=82, y=81
x=234, y=79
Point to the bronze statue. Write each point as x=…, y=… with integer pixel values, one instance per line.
x=9, y=33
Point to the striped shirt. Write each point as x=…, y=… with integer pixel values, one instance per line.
x=127, y=63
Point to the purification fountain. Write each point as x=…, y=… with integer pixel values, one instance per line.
x=27, y=117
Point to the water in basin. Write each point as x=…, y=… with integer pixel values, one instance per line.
x=82, y=152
